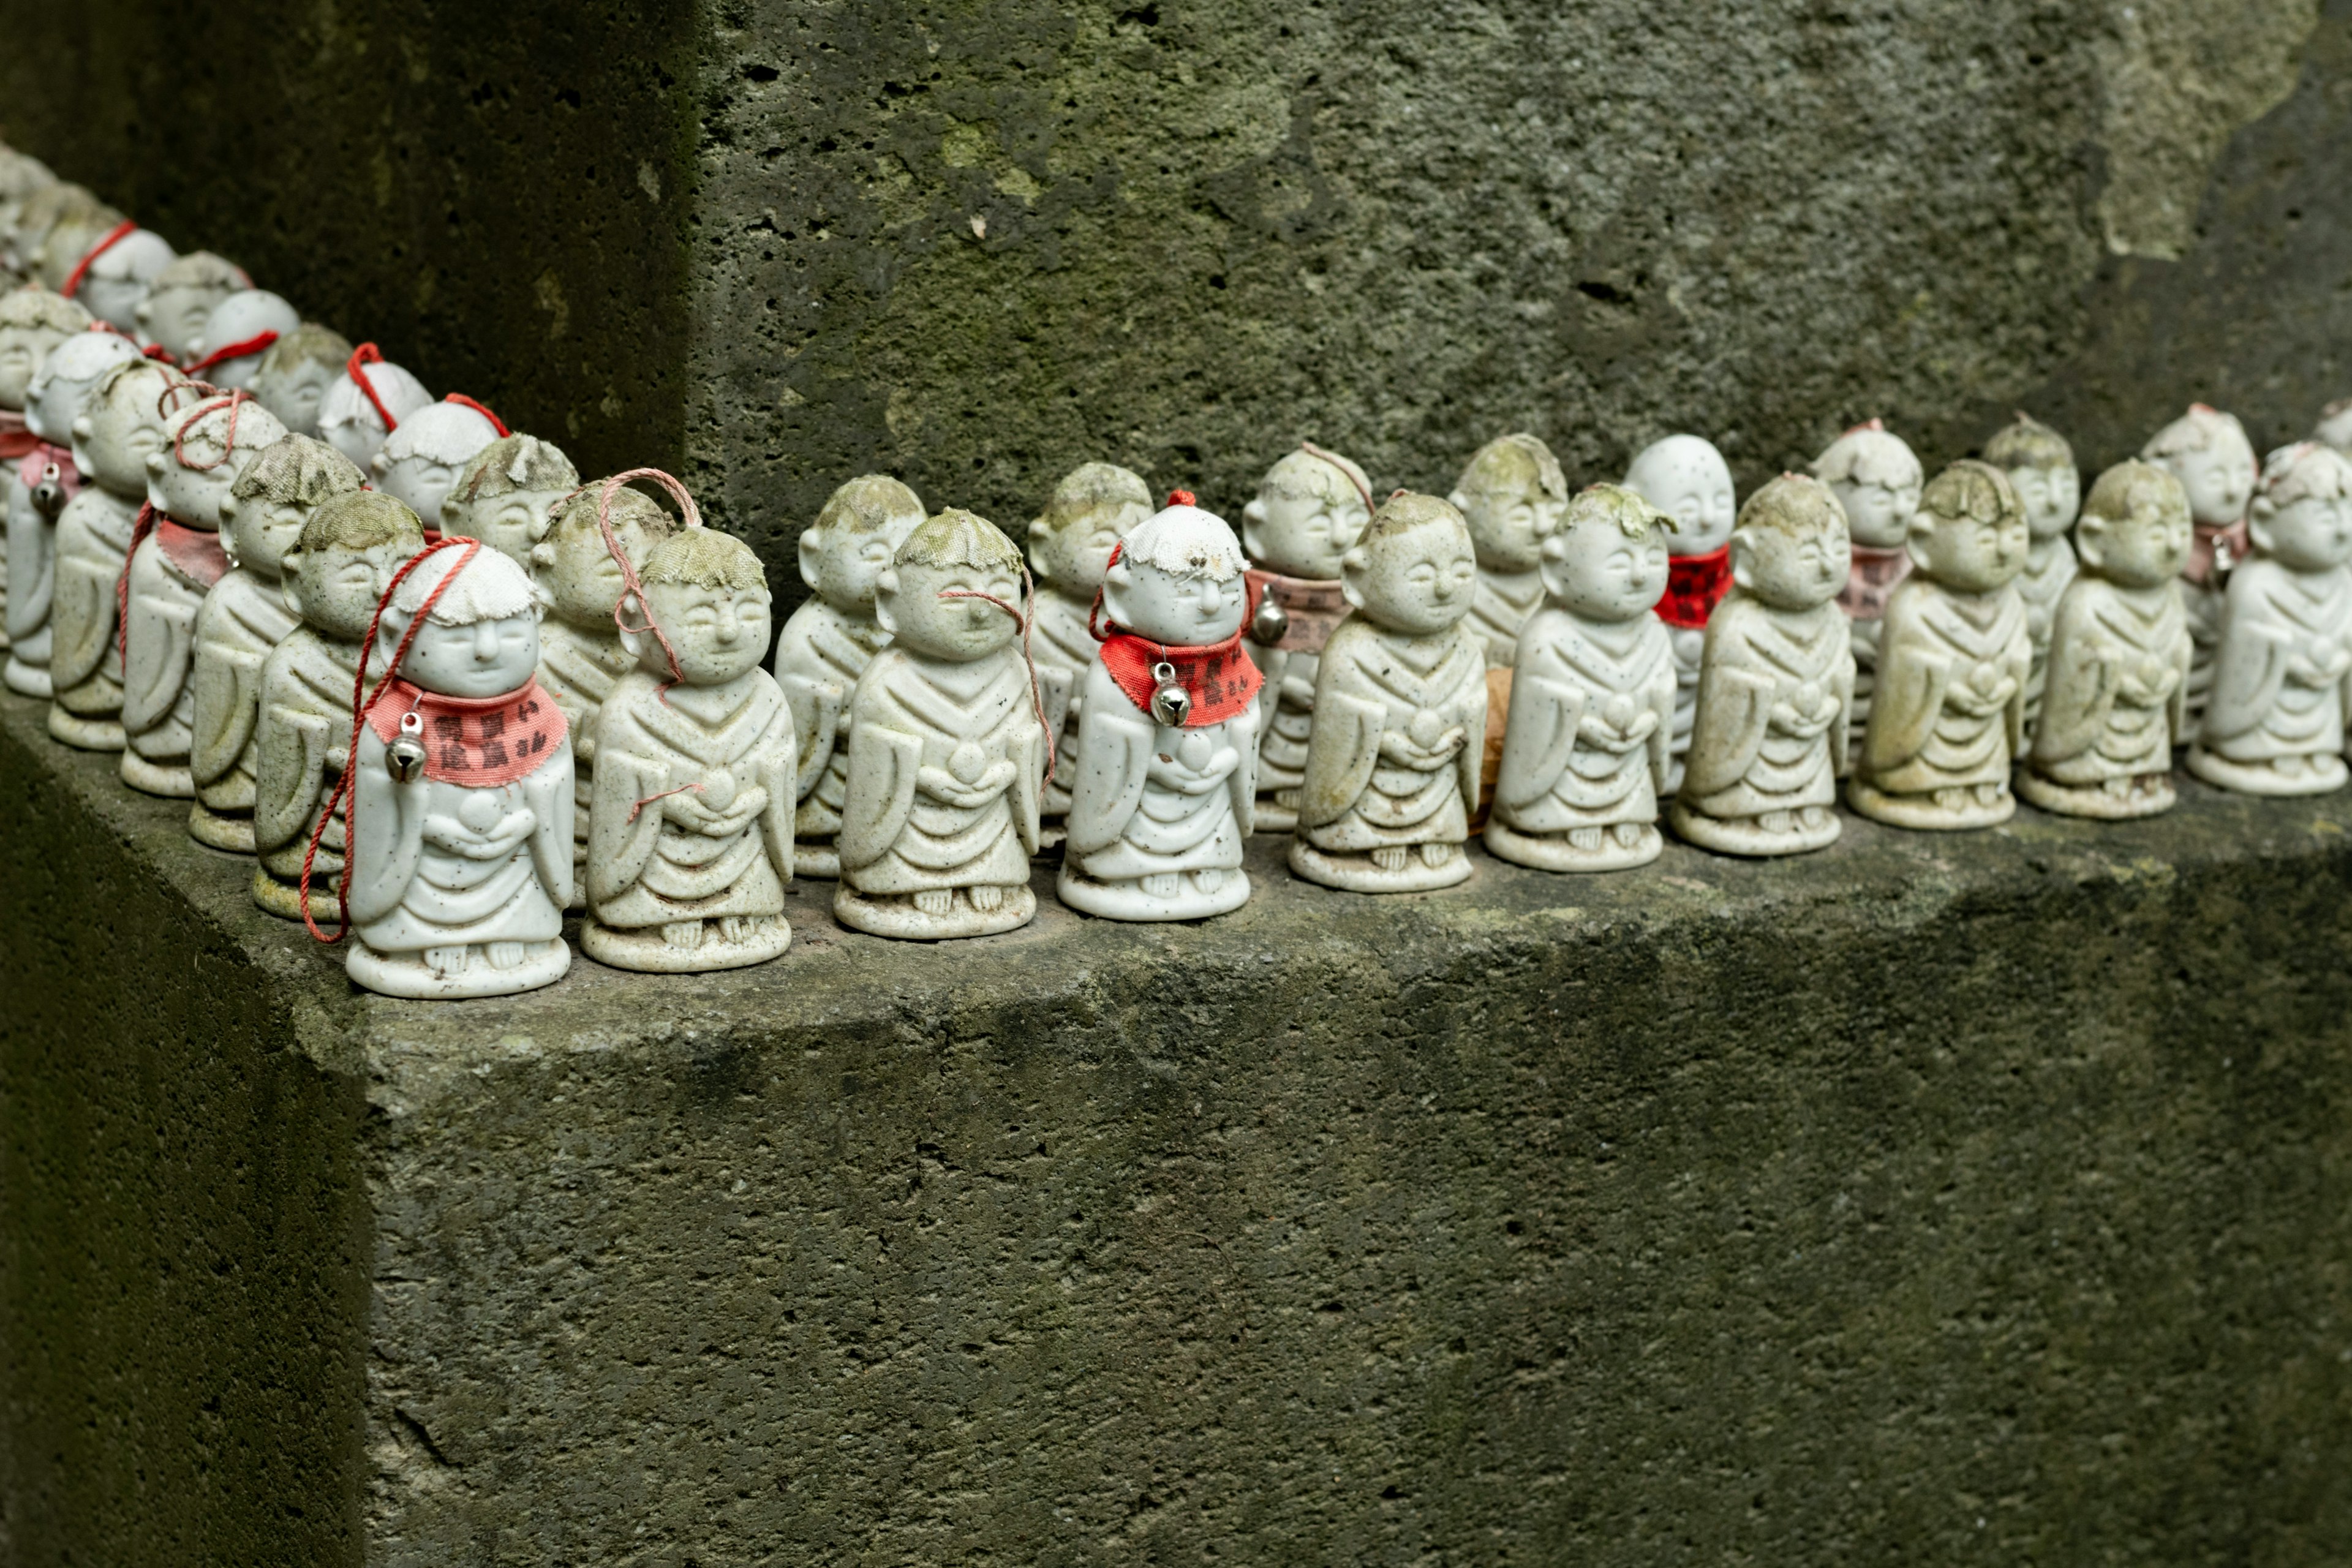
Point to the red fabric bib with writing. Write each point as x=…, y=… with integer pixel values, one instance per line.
x=1219, y=677
x=479, y=742
x=1694, y=586
x=195, y=553
x=1316, y=608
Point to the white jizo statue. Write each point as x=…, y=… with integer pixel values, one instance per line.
x=419, y=462
x=2283, y=669
x=1069, y=549
x=1309, y=510
x=240, y=330
x=1593, y=696
x=1685, y=478
x=342, y=563
x=461, y=861
x=827, y=644
x=947, y=755
x=1876, y=479
x=1164, y=790
x=352, y=421
x=2041, y=469
x=1393, y=762
x=244, y=618
x=506, y=497
x=690, y=832
x=295, y=372
x=123, y=275
x=179, y=302
x=32, y=323
x=2116, y=700
x=41, y=485
x=122, y=425
x=1512, y=494
x=205, y=445
x=2208, y=452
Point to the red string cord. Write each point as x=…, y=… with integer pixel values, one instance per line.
x=1037, y=696
x=258, y=343
x=462, y=401
x=140, y=527
x=114, y=237
x=362, y=702
x=367, y=354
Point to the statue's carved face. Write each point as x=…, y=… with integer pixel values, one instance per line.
x=176, y=317
x=1788, y=571
x=56, y=401
x=1417, y=582
x=421, y=482
x=357, y=435
x=22, y=349
x=578, y=574
x=1686, y=478
x=509, y=524
x=2220, y=480
x=335, y=591
x=1302, y=535
x=1971, y=555
x=295, y=392
x=2148, y=547
x=920, y=607
x=1074, y=556
x=113, y=300
x=193, y=496
x=259, y=532
x=1598, y=573
x=116, y=435
x=1506, y=526
x=843, y=563
x=2312, y=533
x=2052, y=495
x=1181, y=612
x=719, y=634
x=1878, y=513
x=487, y=659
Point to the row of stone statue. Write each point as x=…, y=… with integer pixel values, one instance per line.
x=219, y=565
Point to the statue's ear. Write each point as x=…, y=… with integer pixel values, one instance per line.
x=380, y=464
x=2090, y=541
x=1117, y=583
x=1252, y=521
x=885, y=590
x=1458, y=501
x=812, y=550
x=228, y=505
x=2259, y=518
x=289, y=581
x=631, y=608
x=1743, y=563
x=542, y=554
x=1916, y=538
x=82, y=427
x=453, y=512
x=1352, y=566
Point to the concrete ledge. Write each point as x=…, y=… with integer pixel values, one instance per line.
x=1952, y=1200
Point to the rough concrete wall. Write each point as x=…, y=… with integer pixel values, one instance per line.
x=183, y=1238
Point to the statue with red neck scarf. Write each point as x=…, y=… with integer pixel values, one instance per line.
x=690, y=827
x=32, y=323
x=2041, y=469
x=2208, y=452
x=1392, y=767
x=947, y=756
x=41, y=485
x=1877, y=479
x=206, y=445
x=460, y=824
x=1685, y=478
x=1593, y=696
x=120, y=426
x=1069, y=549
x=1310, y=507
x=244, y=618
x=1167, y=747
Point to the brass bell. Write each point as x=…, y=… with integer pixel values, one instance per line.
x=404, y=758
x=1171, y=703
x=49, y=495
x=1271, y=623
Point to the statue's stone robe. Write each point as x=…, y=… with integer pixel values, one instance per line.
x=1499, y=608
x=2259, y=710
x=2050, y=566
x=2116, y=690
x=1159, y=799
x=1397, y=744
x=1941, y=657
x=1745, y=760
x=1576, y=753
x=93, y=537
x=243, y=620
x=820, y=654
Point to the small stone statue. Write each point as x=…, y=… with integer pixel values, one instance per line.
x=351, y=417
x=1950, y=720
x=1592, y=698
x=582, y=652
x=1309, y=510
x=827, y=642
x=32, y=323
x=1775, y=681
x=1393, y=763
x=120, y=425
x=337, y=571
x=241, y=329
x=295, y=372
x=181, y=301
x=205, y=445
x=244, y=618
x=2283, y=669
x=947, y=749
x=1167, y=748
x=690, y=833
x=419, y=462
x=2116, y=700
x=2041, y=469
x=505, y=496
x=2208, y=452
x=77, y=236
x=1069, y=549
x=41, y=484
x=121, y=275
x=1876, y=479
x=1512, y=494
x=1685, y=478
x=461, y=842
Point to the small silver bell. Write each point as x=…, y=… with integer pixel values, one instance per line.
x=1171, y=703
x=49, y=495
x=2224, y=558
x=404, y=758
x=1271, y=623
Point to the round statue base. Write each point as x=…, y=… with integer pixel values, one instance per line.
x=285, y=902
x=536, y=963
x=1554, y=852
x=1129, y=900
x=1927, y=814
x=85, y=735
x=894, y=914
x=2146, y=794
x=1799, y=832
x=1357, y=873
x=2318, y=775
x=213, y=831
x=815, y=859
x=733, y=942
x=155, y=778
x=29, y=679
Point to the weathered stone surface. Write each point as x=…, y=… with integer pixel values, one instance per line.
x=781, y=242
x=1956, y=1200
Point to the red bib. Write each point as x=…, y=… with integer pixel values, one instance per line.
x=17, y=440
x=1218, y=678
x=1871, y=581
x=1694, y=586
x=479, y=742
x=194, y=552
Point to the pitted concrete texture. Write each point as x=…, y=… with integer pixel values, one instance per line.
x=772, y=244
x=1956, y=1200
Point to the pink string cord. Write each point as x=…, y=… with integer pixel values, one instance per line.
x=1312, y=450
x=1026, y=622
